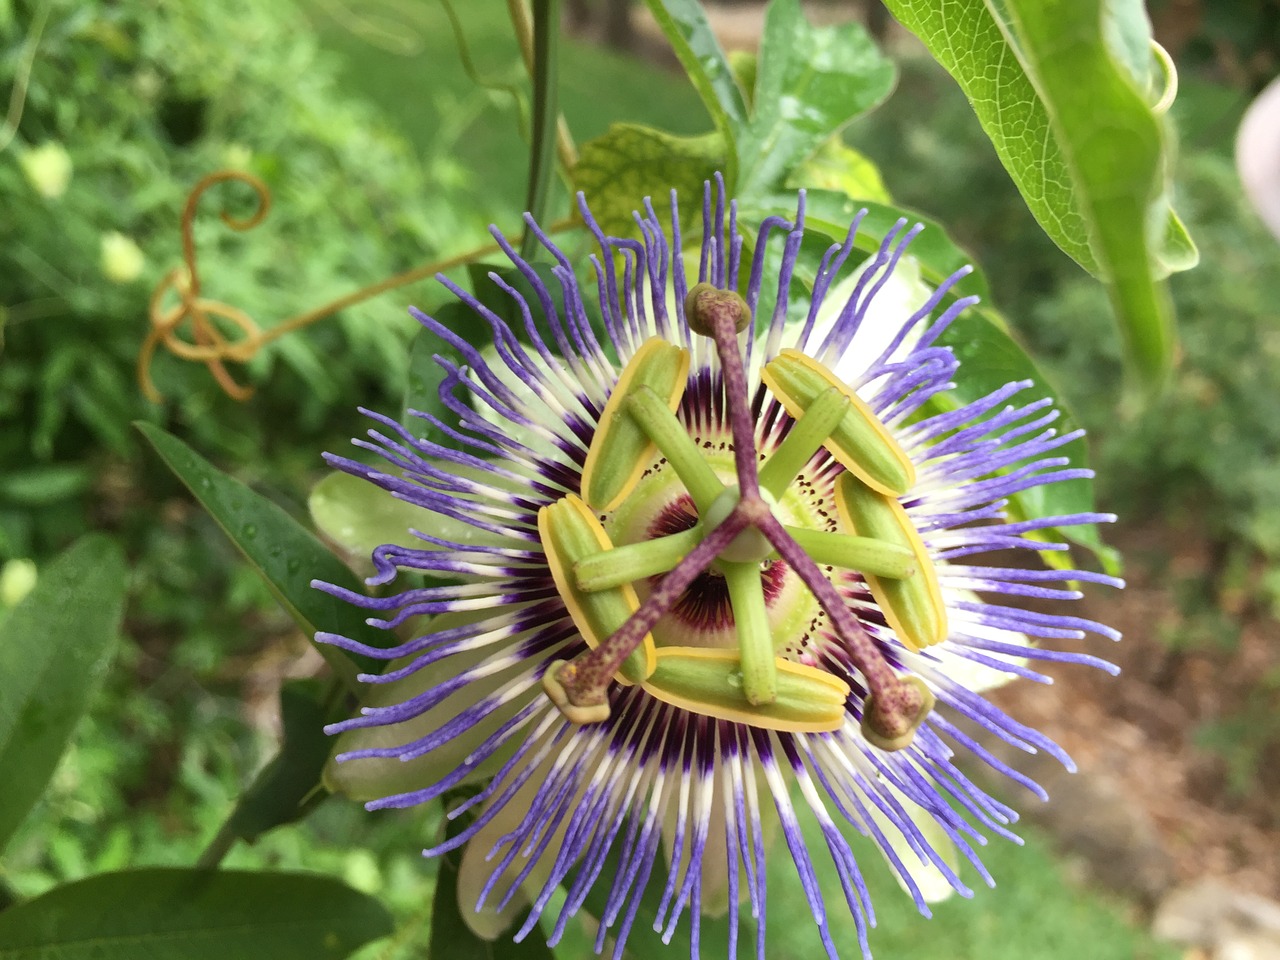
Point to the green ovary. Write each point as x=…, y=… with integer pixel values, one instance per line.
x=660, y=505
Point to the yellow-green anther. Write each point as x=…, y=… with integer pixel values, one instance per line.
x=860, y=442
x=709, y=682
x=861, y=554
x=806, y=437
x=671, y=437
x=569, y=532
x=620, y=451
x=751, y=624
x=912, y=607
x=634, y=561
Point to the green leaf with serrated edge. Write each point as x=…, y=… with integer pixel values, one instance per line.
x=810, y=82
x=966, y=39
x=359, y=516
x=1073, y=126
x=631, y=161
x=286, y=555
x=54, y=649
x=278, y=793
x=684, y=22
x=162, y=913
x=841, y=169
x=451, y=938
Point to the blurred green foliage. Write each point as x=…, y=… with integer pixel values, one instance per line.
x=145, y=100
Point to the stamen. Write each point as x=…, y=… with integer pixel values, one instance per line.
x=749, y=683
x=860, y=441
x=806, y=437
x=913, y=607
x=864, y=555
x=634, y=561
x=670, y=437
x=568, y=531
x=620, y=451
x=755, y=640
x=710, y=682
x=585, y=680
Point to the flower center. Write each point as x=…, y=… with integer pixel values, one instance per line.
x=735, y=528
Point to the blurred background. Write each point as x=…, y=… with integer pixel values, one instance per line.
x=383, y=152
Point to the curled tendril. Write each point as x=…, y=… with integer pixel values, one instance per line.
x=209, y=319
x=209, y=345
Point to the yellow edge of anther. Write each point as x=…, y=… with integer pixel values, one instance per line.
x=926, y=576
x=566, y=585
x=613, y=410
x=839, y=691
x=795, y=410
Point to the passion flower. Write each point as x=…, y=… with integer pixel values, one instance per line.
x=711, y=573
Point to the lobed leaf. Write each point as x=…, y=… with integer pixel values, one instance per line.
x=684, y=22
x=631, y=161
x=810, y=82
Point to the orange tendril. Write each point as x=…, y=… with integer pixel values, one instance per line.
x=209, y=343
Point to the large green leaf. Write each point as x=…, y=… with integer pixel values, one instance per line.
x=173, y=914
x=54, y=648
x=810, y=82
x=1060, y=96
x=630, y=162
x=285, y=553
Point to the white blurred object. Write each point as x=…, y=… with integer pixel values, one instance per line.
x=1258, y=155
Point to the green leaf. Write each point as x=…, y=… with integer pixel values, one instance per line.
x=286, y=555
x=1063, y=101
x=452, y=939
x=630, y=162
x=684, y=22
x=174, y=914
x=811, y=81
x=279, y=793
x=54, y=649
x=841, y=169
